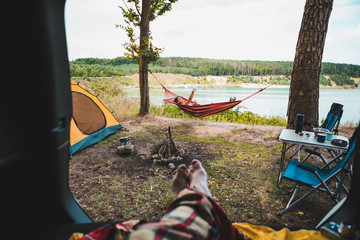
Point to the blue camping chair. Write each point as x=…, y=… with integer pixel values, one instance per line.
x=333, y=118
x=319, y=178
x=331, y=123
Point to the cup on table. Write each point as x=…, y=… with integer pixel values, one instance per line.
x=329, y=136
x=320, y=137
x=319, y=130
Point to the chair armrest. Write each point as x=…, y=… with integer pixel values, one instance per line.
x=312, y=152
x=309, y=169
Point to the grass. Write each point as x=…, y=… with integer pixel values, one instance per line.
x=112, y=200
x=110, y=93
x=242, y=178
x=229, y=175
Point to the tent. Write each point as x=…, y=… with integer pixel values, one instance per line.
x=91, y=121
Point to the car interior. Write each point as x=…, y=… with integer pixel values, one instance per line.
x=36, y=106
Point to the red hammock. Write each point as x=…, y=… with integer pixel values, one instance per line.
x=207, y=109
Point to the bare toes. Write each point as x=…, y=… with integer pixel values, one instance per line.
x=195, y=165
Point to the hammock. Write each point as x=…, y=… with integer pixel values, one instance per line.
x=205, y=110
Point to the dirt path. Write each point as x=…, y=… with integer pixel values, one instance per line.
x=235, y=132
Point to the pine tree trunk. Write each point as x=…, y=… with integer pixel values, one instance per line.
x=143, y=62
x=304, y=88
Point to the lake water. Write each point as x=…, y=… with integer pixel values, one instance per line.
x=270, y=102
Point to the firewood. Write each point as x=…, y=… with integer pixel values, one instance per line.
x=166, y=149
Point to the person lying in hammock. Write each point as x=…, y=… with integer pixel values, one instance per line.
x=180, y=100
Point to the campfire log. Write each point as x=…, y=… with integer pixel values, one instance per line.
x=166, y=148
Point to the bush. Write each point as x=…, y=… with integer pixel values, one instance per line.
x=342, y=79
x=324, y=81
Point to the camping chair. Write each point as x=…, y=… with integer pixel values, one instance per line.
x=331, y=123
x=318, y=178
x=333, y=118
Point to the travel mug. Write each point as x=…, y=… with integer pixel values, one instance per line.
x=299, y=123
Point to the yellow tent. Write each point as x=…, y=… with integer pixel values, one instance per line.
x=91, y=121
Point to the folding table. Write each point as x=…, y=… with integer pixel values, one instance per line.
x=288, y=136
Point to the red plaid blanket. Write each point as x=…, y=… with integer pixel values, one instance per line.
x=193, y=215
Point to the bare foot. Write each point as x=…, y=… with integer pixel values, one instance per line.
x=198, y=177
x=180, y=180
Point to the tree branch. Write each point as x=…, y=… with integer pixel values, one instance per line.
x=137, y=9
x=155, y=4
x=126, y=5
x=153, y=9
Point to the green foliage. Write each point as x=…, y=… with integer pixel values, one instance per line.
x=242, y=79
x=234, y=116
x=350, y=70
x=241, y=71
x=108, y=87
x=228, y=67
x=133, y=20
x=342, y=79
x=325, y=81
x=277, y=80
x=96, y=70
x=118, y=61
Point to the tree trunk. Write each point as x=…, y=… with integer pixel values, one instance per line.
x=143, y=61
x=304, y=87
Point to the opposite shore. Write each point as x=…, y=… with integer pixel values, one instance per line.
x=188, y=81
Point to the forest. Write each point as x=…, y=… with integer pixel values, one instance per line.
x=340, y=73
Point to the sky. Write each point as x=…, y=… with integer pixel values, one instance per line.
x=220, y=29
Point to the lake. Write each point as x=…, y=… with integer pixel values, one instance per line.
x=270, y=102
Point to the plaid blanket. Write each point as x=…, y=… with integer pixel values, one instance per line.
x=193, y=215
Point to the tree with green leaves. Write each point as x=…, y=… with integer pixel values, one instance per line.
x=140, y=47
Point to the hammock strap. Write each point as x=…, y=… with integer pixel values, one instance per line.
x=256, y=92
x=156, y=78
x=169, y=96
x=263, y=89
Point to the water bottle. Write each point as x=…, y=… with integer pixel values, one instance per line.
x=299, y=123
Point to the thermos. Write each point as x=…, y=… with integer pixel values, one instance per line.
x=299, y=123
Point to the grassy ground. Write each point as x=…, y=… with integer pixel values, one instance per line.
x=241, y=161
x=241, y=177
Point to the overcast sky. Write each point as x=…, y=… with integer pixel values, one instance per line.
x=221, y=29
